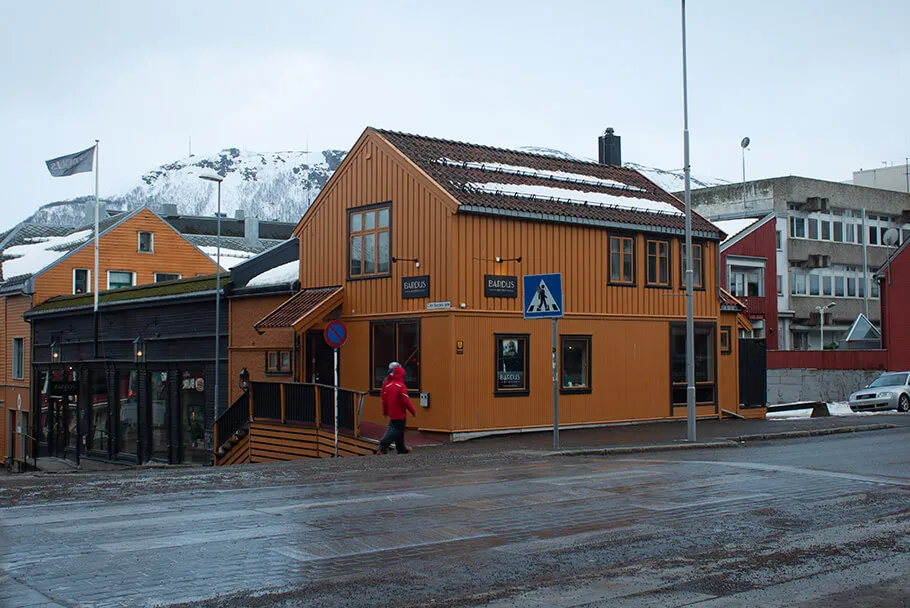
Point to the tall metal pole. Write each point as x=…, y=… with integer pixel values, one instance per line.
x=217, y=303
x=821, y=336
x=690, y=320
x=865, y=266
x=744, y=178
x=555, y=391
x=97, y=222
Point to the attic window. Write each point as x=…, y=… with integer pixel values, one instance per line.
x=146, y=242
x=368, y=241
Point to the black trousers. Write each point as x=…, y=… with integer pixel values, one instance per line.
x=394, y=433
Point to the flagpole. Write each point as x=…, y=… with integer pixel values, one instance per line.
x=95, y=310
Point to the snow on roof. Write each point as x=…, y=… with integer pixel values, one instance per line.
x=576, y=197
x=40, y=252
x=734, y=227
x=229, y=257
x=286, y=273
x=561, y=176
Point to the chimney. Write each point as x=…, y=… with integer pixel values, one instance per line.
x=169, y=210
x=251, y=231
x=609, y=148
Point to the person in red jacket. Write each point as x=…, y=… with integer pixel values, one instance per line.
x=395, y=405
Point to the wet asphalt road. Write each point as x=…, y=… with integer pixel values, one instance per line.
x=820, y=522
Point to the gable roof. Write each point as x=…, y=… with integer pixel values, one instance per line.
x=496, y=181
x=738, y=229
x=881, y=273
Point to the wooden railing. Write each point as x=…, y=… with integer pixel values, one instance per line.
x=308, y=404
x=233, y=419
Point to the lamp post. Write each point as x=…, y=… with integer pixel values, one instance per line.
x=743, y=144
x=821, y=314
x=212, y=176
x=690, y=318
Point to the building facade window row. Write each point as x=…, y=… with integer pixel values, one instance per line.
x=837, y=281
x=846, y=226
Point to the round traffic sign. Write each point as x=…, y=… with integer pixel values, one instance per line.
x=335, y=334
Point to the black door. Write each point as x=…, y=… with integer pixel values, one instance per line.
x=320, y=359
x=753, y=372
x=57, y=426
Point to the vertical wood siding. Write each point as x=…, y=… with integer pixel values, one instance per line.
x=247, y=347
x=119, y=250
x=761, y=243
x=419, y=229
x=14, y=326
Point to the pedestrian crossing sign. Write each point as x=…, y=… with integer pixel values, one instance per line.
x=543, y=296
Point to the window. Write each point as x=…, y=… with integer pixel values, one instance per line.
x=726, y=347
x=746, y=282
x=873, y=288
x=697, y=278
x=100, y=435
x=873, y=233
x=838, y=231
x=146, y=242
x=622, y=260
x=851, y=287
x=798, y=227
x=851, y=233
x=81, y=280
x=839, y=286
x=511, y=364
x=826, y=286
x=395, y=341
x=278, y=362
x=659, y=263
x=826, y=230
x=813, y=228
x=128, y=413
x=799, y=285
x=780, y=285
x=704, y=363
x=779, y=237
x=368, y=238
x=18, y=358
x=117, y=279
x=166, y=276
x=800, y=340
x=814, y=285
x=575, y=364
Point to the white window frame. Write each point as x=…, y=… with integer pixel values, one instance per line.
x=88, y=282
x=151, y=241
x=18, y=359
x=132, y=278
x=179, y=276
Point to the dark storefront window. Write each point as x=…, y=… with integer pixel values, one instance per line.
x=158, y=398
x=101, y=418
x=704, y=364
x=511, y=364
x=192, y=415
x=576, y=364
x=128, y=416
x=396, y=341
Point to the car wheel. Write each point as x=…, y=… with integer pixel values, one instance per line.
x=903, y=404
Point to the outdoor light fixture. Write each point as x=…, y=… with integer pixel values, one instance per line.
x=244, y=379
x=500, y=260
x=415, y=260
x=55, y=351
x=212, y=176
x=821, y=314
x=139, y=350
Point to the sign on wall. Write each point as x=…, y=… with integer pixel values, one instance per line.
x=415, y=287
x=499, y=286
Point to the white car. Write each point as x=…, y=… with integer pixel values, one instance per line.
x=890, y=391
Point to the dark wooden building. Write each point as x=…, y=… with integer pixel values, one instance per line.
x=147, y=392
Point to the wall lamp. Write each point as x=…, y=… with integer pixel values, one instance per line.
x=139, y=350
x=415, y=260
x=244, y=379
x=55, y=351
x=500, y=260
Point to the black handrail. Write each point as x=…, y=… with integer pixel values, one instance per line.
x=34, y=448
x=233, y=419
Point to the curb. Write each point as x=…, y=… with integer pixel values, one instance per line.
x=727, y=442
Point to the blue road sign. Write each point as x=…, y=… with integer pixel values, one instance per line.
x=336, y=334
x=543, y=296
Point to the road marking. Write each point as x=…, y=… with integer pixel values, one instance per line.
x=702, y=503
x=378, y=546
x=392, y=498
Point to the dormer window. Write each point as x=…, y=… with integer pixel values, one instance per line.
x=146, y=242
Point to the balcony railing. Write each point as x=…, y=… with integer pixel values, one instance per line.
x=307, y=404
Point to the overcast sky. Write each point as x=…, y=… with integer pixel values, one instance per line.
x=820, y=86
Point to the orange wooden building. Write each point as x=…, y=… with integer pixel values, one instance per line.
x=419, y=246
x=40, y=262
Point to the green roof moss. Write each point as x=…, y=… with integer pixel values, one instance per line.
x=141, y=292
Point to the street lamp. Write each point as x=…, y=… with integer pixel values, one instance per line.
x=744, y=144
x=212, y=176
x=821, y=313
x=690, y=301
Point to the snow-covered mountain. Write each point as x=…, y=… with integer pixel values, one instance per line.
x=271, y=186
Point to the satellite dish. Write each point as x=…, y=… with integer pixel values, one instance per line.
x=890, y=237
x=745, y=142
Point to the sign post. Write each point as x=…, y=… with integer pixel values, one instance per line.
x=336, y=334
x=543, y=300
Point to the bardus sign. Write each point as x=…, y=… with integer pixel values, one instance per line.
x=499, y=286
x=415, y=287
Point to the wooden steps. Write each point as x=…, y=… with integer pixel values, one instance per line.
x=276, y=442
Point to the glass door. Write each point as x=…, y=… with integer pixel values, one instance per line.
x=159, y=445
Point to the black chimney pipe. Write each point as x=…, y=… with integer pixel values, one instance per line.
x=610, y=148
